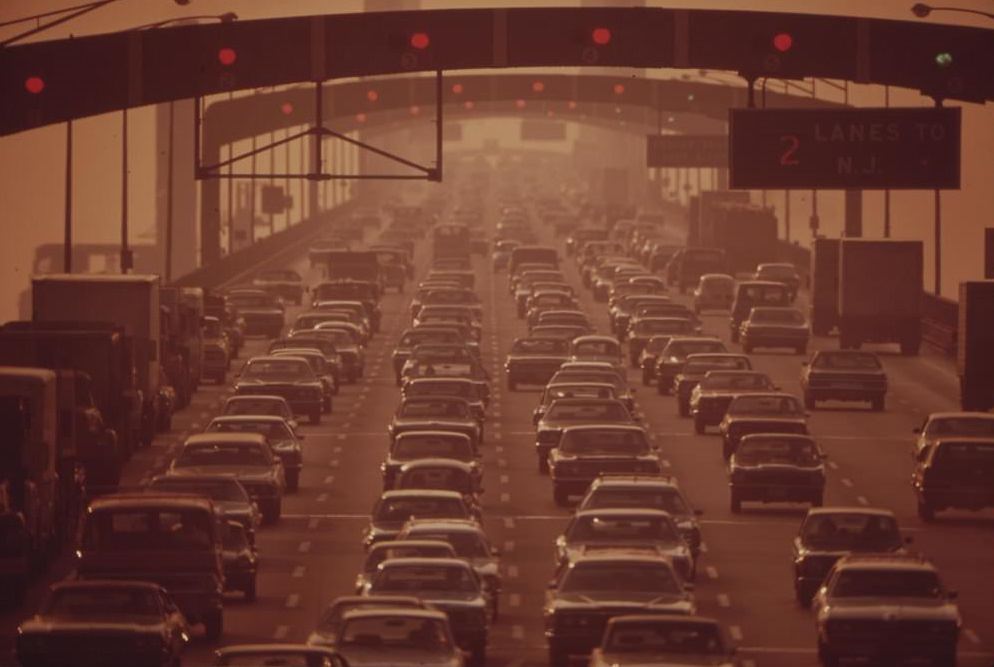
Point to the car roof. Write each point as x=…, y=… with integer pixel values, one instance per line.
x=596, y=338
x=954, y=415
x=885, y=561
x=420, y=493
x=103, y=583
x=406, y=542
x=632, y=479
x=601, y=427
x=220, y=438
x=452, y=435
x=437, y=462
x=245, y=418
x=611, y=554
x=450, y=525
x=409, y=612
x=248, y=649
x=272, y=357
x=424, y=562
x=195, y=477
x=623, y=511
x=964, y=439
x=776, y=436
x=846, y=509
x=662, y=618
x=150, y=500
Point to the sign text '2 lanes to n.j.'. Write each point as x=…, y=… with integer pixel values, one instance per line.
x=871, y=148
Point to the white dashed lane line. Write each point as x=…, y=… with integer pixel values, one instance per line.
x=304, y=547
x=281, y=632
x=711, y=571
x=724, y=601
x=292, y=601
x=298, y=572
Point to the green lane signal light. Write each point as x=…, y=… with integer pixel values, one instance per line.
x=944, y=59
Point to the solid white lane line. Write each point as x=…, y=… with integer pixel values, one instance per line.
x=292, y=601
x=724, y=601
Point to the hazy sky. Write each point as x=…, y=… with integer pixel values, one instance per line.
x=32, y=163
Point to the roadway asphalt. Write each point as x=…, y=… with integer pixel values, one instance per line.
x=311, y=556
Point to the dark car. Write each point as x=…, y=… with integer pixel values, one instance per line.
x=828, y=533
x=775, y=467
x=565, y=412
x=585, y=452
x=660, y=492
x=283, y=283
x=450, y=386
x=587, y=592
x=773, y=326
x=711, y=397
x=699, y=365
x=395, y=508
x=262, y=312
x=844, y=375
x=226, y=491
x=368, y=293
x=752, y=293
x=436, y=413
x=282, y=439
x=772, y=412
x=534, y=360
x=289, y=377
x=109, y=622
x=672, y=357
x=954, y=473
x=241, y=561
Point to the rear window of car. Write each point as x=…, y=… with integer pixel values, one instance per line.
x=975, y=455
x=848, y=361
x=540, y=346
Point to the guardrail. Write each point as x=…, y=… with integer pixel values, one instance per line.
x=940, y=316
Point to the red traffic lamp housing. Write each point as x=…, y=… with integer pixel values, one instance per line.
x=34, y=84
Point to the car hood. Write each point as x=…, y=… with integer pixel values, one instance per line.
x=376, y=656
x=890, y=609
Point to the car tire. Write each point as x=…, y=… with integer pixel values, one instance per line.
x=683, y=407
x=314, y=416
x=809, y=401
x=326, y=405
x=726, y=448
x=878, y=403
x=293, y=481
x=633, y=362
x=543, y=466
x=560, y=496
x=826, y=657
x=214, y=625
x=802, y=596
x=925, y=511
x=736, y=503
x=478, y=655
x=646, y=377
x=699, y=425
x=662, y=388
x=250, y=591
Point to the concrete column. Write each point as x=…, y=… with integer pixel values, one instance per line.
x=184, y=188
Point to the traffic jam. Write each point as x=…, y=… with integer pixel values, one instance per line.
x=446, y=313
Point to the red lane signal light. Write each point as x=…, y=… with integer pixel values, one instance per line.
x=420, y=41
x=619, y=89
x=457, y=89
x=783, y=41
x=286, y=108
x=372, y=95
x=601, y=36
x=227, y=56
x=34, y=84
x=537, y=86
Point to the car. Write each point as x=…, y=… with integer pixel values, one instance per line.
x=696, y=367
x=330, y=622
x=946, y=424
x=659, y=492
x=450, y=296
x=260, y=404
x=780, y=272
x=651, y=529
x=80, y=623
x=828, y=533
x=776, y=467
x=597, y=348
x=399, y=638
x=671, y=358
x=751, y=293
x=252, y=655
x=395, y=508
x=566, y=332
x=444, y=474
x=366, y=292
x=714, y=291
x=597, y=372
x=436, y=413
x=645, y=329
x=449, y=585
x=327, y=343
x=470, y=543
x=282, y=439
x=545, y=300
x=262, y=312
x=560, y=390
x=161, y=538
x=399, y=548
x=564, y=412
x=637, y=640
x=289, y=377
x=954, y=473
x=450, y=386
x=624, y=310
x=534, y=360
x=445, y=360
x=563, y=317
x=584, y=452
x=225, y=491
x=770, y=412
x=417, y=445
x=586, y=592
x=320, y=367
x=241, y=561
x=501, y=254
x=710, y=399
x=844, y=375
x=411, y=338
x=217, y=350
x=902, y=593
x=247, y=456
x=286, y=284
x=578, y=237
x=774, y=326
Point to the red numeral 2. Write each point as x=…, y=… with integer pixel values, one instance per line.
x=791, y=144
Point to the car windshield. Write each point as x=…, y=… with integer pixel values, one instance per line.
x=765, y=405
x=596, y=348
x=466, y=544
x=777, y=316
x=847, y=361
x=872, y=583
x=702, y=366
x=274, y=431
x=402, y=509
x=960, y=426
x=395, y=632
x=442, y=388
x=625, y=528
x=851, y=531
x=688, y=347
x=433, y=408
x=556, y=346
x=665, y=636
x=257, y=406
x=142, y=529
x=735, y=381
x=223, y=454
x=667, y=499
x=216, y=489
x=278, y=370
x=620, y=577
x=604, y=441
x=762, y=293
x=785, y=451
x=420, y=447
x=95, y=602
x=417, y=579
x=608, y=411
